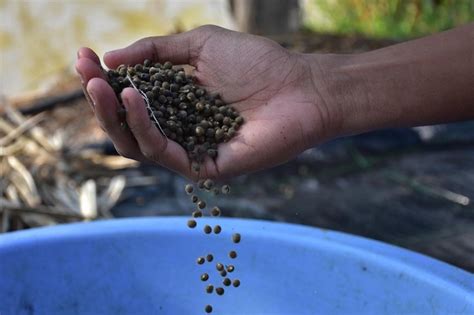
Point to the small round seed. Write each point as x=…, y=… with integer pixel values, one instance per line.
x=194, y=198
x=215, y=212
x=200, y=260
x=219, y=266
x=208, y=309
x=189, y=189
x=226, y=282
x=192, y=224
x=225, y=189
x=204, y=277
x=223, y=273
x=236, y=283
x=201, y=204
x=230, y=268
x=207, y=229
x=197, y=214
x=209, y=257
x=195, y=166
x=233, y=254
x=216, y=191
x=236, y=238
x=200, y=184
x=208, y=184
x=220, y=291
x=217, y=229
x=209, y=288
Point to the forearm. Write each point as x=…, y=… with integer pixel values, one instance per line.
x=424, y=81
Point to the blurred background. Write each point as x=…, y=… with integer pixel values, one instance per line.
x=410, y=187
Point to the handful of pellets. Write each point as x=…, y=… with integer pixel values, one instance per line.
x=182, y=111
x=198, y=121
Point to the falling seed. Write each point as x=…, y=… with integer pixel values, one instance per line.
x=200, y=184
x=215, y=212
x=219, y=266
x=236, y=283
x=189, y=189
x=192, y=224
x=209, y=257
x=194, y=198
x=197, y=214
x=209, y=288
x=208, y=184
x=195, y=166
x=236, y=238
x=225, y=189
x=217, y=229
x=216, y=191
x=226, y=282
x=204, y=277
x=201, y=204
x=223, y=273
x=208, y=309
x=220, y=291
x=207, y=229
x=232, y=254
x=230, y=268
x=200, y=260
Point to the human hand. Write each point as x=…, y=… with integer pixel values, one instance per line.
x=271, y=87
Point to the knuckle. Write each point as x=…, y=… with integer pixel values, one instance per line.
x=208, y=28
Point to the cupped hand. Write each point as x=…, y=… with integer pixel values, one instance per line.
x=273, y=89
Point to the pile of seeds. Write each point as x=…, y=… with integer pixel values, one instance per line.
x=183, y=111
x=198, y=121
x=223, y=271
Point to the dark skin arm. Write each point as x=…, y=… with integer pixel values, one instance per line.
x=290, y=101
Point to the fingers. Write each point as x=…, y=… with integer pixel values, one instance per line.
x=85, y=52
x=153, y=145
x=106, y=106
x=183, y=48
x=88, y=67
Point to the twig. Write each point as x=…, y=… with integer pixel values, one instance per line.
x=51, y=102
x=54, y=212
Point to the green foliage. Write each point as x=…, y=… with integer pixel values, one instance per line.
x=387, y=18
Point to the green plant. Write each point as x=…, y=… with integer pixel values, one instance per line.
x=387, y=18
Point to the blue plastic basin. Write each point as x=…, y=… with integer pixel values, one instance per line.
x=148, y=266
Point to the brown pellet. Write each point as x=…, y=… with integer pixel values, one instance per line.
x=209, y=288
x=189, y=189
x=230, y=268
x=197, y=214
x=236, y=238
x=225, y=189
x=215, y=212
x=226, y=282
x=208, y=309
x=220, y=291
x=217, y=229
x=201, y=204
x=207, y=229
x=209, y=257
x=192, y=224
x=194, y=198
x=236, y=283
x=204, y=277
x=223, y=273
x=208, y=184
x=200, y=260
x=219, y=266
x=232, y=254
